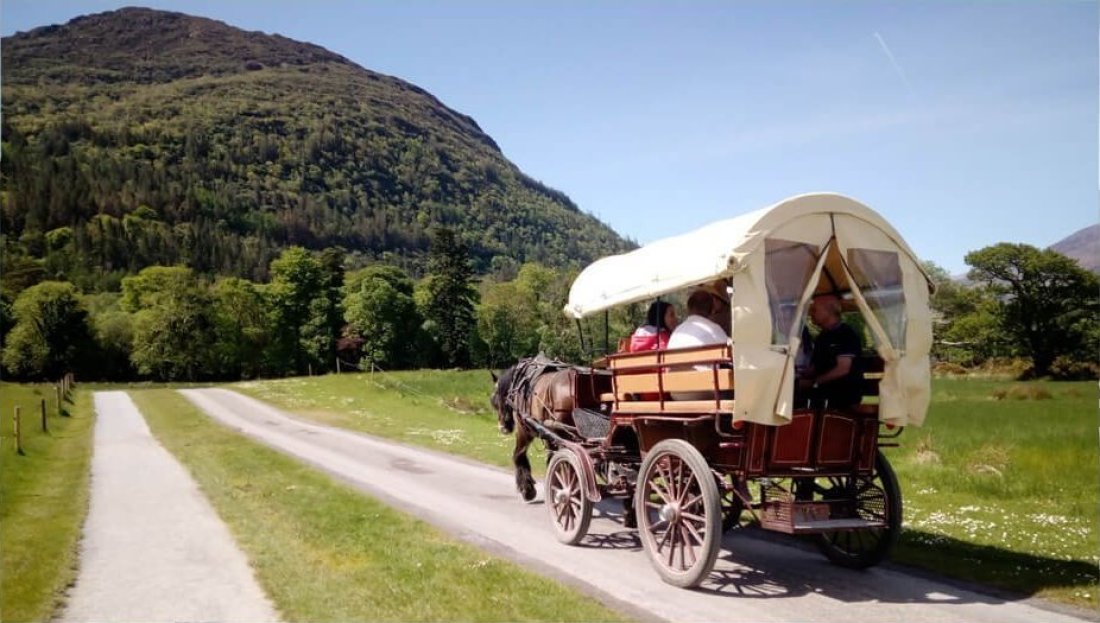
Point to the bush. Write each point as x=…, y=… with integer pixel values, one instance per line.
x=1023, y=392
x=1068, y=369
x=948, y=368
x=1011, y=367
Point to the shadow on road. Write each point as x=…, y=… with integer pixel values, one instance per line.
x=767, y=565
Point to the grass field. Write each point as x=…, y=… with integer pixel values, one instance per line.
x=1004, y=478
x=1000, y=485
x=43, y=500
x=447, y=411
x=324, y=552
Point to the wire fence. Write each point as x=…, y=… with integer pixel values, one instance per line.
x=391, y=381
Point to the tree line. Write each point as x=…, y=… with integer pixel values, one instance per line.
x=173, y=323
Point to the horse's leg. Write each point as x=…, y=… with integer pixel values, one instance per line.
x=525, y=484
x=630, y=520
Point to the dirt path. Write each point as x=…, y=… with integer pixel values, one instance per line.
x=754, y=580
x=153, y=548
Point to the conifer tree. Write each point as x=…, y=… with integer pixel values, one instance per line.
x=451, y=297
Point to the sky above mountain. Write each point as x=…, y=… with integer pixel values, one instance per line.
x=965, y=124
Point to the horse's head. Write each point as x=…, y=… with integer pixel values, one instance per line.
x=506, y=417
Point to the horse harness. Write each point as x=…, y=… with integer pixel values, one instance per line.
x=527, y=371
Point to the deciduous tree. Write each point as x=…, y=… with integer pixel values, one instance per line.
x=1047, y=304
x=240, y=320
x=51, y=334
x=297, y=295
x=174, y=331
x=381, y=311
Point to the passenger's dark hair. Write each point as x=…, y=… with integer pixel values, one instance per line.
x=655, y=317
x=701, y=303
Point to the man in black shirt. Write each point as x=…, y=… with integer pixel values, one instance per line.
x=834, y=375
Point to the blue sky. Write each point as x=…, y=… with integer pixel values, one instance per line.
x=965, y=124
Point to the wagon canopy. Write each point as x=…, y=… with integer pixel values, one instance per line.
x=775, y=260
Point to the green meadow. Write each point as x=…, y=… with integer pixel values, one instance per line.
x=1000, y=485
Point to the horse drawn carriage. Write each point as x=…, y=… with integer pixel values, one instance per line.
x=687, y=469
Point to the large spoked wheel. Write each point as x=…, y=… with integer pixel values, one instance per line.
x=874, y=497
x=679, y=513
x=569, y=506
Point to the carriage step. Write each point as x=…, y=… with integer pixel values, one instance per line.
x=809, y=518
x=824, y=525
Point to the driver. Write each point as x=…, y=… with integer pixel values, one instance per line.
x=834, y=375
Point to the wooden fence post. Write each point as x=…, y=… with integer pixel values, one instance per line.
x=18, y=433
x=57, y=391
x=45, y=425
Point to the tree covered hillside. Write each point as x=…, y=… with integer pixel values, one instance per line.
x=140, y=137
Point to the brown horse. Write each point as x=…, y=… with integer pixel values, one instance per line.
x=539, y=389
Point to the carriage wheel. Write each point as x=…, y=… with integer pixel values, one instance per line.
x=876, y=496
x=679, y=513
x=569, y=506
x=731, y=504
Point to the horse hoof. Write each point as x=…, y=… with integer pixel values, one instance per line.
x=528, y=494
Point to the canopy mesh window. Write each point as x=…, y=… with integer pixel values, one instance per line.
x=788, y=267
x=878, y=276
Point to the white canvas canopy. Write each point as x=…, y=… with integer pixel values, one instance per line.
x=775, y=259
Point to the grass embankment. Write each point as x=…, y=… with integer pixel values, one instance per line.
x=1000, y=485
x=43, y=499
x=324, y=552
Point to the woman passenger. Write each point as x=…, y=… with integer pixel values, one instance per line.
x=653, y=335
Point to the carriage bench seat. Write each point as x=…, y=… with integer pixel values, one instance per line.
x=682, y=380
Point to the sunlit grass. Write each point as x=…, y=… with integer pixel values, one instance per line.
x=447, y=411
x=324, y=552
x=1000, y=485
x=43, y=499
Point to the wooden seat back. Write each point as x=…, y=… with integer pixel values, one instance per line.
x=649, y=382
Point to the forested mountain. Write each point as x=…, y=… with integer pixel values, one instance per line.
x=141, y=137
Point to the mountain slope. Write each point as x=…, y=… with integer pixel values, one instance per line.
x=1083, y=246
x=139, y=136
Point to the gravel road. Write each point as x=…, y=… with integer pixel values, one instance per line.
x=754, y=580
x=153, y=548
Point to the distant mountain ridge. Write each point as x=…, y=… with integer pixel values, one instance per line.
x=139, y=136
x=1083, y=246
